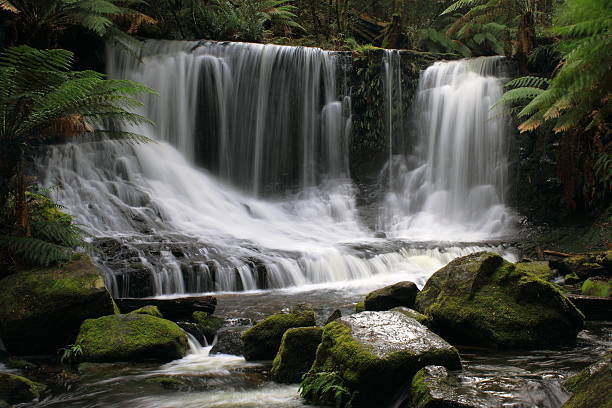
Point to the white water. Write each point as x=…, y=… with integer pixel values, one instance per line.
x=453, y=182
x=273, y=209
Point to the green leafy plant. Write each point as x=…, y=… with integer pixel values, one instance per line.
x=41, y=100
x=71, y=354
x=325, y=388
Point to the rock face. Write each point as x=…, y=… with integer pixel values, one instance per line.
x=131, y=337
x=296, y=354
x=262, y=341
x=591, y=387
x=399, y=294
x=15, y=389
x=483, y=300
x=372, y=356
x=41, y=310
x=435, y=387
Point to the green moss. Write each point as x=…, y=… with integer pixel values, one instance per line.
x=591, y=387
x=419, y=317
x=571, y=278
x=497, y=305
x=41, y=309
x=296, y=354
x=419, y=391
x=131, y=337
x=360, y=307
x=540, y=269
x=208, y=324
x=148, y=310
x=597, y=287
x=16, y=389
x=262, y=341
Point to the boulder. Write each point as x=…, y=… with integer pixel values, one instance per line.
x=149, y=310
x=131, y=337
x=585, y=265
x=597, y=286
x=15, y=389
x=262, y=341
x=419, y=317
x=399, y=294
x=335, y=315
x=436, y=387
x=591, y=387
x=483, y=300
x=41, y=310
x=208, y=325
x=369, y=358
x=229, y=341
x=296, y=354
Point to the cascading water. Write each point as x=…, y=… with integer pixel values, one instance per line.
x=452, y=185
x=274, y=206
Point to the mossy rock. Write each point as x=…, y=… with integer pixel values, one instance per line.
x=262, y=341
x=168, y=382
x=541, y=269
x=436, y=387
x=148, y=310
x=372, y=356
x=360, y=307
x=131, y=337
x=419, y=317
x=15, y=389
x=41, y=310
x=296, y=354
x=591, y=387
x=399, y=294
x=597, y=286
x=335, y=315
x=483, y=300
x=586, y=265
x=208, y=325
x=571, y=279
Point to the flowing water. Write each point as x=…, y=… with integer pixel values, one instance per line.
x=246, y=189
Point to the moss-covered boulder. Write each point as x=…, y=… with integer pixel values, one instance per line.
x=483, y=300
x=296, y=354
x=148, y=310
x=370, y=357
x=262, y=341
x=15, y=389
x=208, y=324
x=360, y=307
x=541, y=269
x=585, y=265
x=399, y=294
x=591, y=387
x=131, y=337
x=419, y=317
x=41, y=310
x=597, y=286
x=335, y=315
x=436, y=387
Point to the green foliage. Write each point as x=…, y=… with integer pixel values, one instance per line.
x=71, y=354
x=470, y=40
x=323, y=387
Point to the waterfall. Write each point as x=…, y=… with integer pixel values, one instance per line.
x=452, y=184
x=246, y=186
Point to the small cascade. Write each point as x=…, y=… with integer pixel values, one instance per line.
x=452, y=183
x=394, y=112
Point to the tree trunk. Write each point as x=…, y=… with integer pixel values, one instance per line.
x=526, y=41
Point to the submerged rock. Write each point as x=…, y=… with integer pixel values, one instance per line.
x=435, y=387
x=131, y=337
x=262, y=341
x=370, y=357
x=483, y=300
x=399, y=294
x=296, y=354
x=591, y=387
x=15, y=389
x=41, y=310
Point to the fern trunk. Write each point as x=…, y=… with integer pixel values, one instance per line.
x=526, y=41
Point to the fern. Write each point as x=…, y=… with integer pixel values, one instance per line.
x=325, y=388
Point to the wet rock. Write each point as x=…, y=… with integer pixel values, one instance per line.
x=483, y=300
x=131, y=337
x=436, y=387
x=336, y=314
x=209, y=325
x=591, y=387
x=419, y=317
x=586, y=265
x=597, y=286
x=41, y=310
x=262, y=341
x=148, y=310
x=296, y=354
x=15, y=389
x=229, y=341
x=371, y=357
x=168, y=382
x=399, y=294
